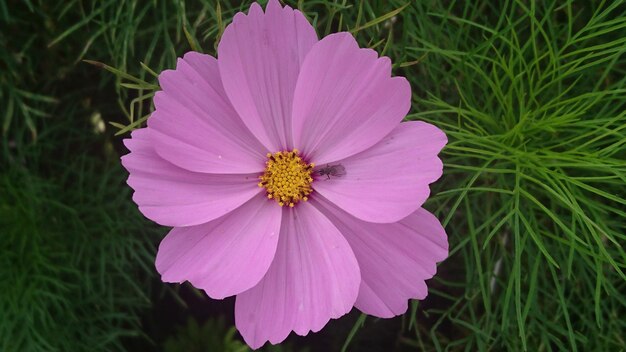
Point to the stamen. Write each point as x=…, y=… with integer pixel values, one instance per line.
x=287, y=178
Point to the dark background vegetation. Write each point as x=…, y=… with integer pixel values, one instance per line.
x=531, y=95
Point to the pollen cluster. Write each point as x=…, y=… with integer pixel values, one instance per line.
x=287, y=178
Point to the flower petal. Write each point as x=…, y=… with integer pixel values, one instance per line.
x=226, y=256
x=172, y=196
x=259, y=59
x=388, y=181
x=195, y=127
x=345, y=99
x=314, y=277
x=395, y=258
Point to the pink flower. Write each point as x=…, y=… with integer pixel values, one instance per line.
x=288, y=178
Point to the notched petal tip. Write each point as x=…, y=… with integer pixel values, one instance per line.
x=167, y=76
x=433, y=135
x=194, y=56
x=274, y=5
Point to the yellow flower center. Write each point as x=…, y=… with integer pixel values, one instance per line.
x=287, y=178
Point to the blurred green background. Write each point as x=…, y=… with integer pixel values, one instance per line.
x=531, y=94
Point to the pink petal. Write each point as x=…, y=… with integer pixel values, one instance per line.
x=388, y=181
x=226, y=256
x=259, y=59
x=395, y=259
x=194, y=125
x=172, y=196
x=345, y=99
x=314, y=277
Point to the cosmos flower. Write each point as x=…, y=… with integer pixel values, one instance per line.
x=288, y=177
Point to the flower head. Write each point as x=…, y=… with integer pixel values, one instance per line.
x=288, y=178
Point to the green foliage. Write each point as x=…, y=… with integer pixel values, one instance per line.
x=532, y=97
x=75, y=255
x=23, y=101
x=214, y=335
x=531, y=94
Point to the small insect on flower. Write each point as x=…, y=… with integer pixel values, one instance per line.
x=337, y=170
